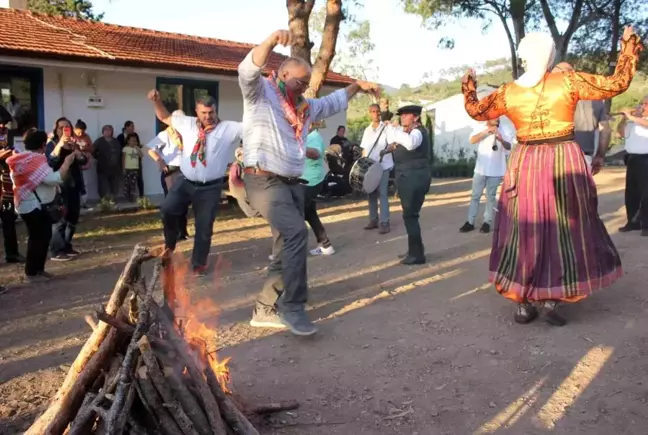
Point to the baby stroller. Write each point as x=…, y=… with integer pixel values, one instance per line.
x=336, y=182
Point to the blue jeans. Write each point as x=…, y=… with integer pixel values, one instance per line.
x=479, y=183
x=383, y=193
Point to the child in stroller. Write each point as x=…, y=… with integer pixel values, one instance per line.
x=336, y=182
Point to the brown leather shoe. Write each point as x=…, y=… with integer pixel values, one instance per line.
x=384, y=228
x=372, y=225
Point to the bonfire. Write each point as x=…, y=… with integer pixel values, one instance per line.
x=149, y=367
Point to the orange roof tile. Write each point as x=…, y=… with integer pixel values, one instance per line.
x=37, y=35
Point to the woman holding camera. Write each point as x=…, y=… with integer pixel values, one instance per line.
x=35, y=190
x=61, y=145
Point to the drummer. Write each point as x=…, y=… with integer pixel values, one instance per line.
x=374, y=140
x=409, y=146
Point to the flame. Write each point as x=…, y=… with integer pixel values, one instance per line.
x=189, y=315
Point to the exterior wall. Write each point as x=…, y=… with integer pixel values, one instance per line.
x=66, y=90
x=453, y=128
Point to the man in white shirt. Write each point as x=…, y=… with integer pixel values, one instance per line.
x=634, y=127
x=276, y=119
x=494, y=143
x=208, y=146
x=166, y=150
x=374, y=140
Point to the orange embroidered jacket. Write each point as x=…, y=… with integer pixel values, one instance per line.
x=546, y=111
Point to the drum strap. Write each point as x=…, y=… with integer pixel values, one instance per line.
x=377, y=139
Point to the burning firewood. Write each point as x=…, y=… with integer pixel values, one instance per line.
x=146, y=368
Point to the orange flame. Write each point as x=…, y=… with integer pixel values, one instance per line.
x=190, y=315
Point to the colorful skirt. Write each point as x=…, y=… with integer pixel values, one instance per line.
x=549, y=242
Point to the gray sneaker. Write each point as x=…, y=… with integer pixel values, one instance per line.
x=266, y=318
x=298, y=322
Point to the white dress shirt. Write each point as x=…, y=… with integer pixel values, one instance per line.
x=221, y=143
x=369, y=139
x=269, y=141
x=411, y=140
x=636, y=138
x=166, y=148
x=492, y=163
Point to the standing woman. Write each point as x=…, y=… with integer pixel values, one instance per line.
x=61, y=145
x=549, y=244
x=84, y=144
x=35, y=187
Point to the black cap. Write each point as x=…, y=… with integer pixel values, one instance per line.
x=412, y=108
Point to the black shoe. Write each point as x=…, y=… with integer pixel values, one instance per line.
x=551, y=316
x=72, y=253
x=526, y=313
x=15, y=259
x=629, y=227
x=467, y=227
x=415, y=252
x=266, y=318
x=61, y=257
x=298, y=323
x=485, y=228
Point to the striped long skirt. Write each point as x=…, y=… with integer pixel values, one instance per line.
x=549, y=242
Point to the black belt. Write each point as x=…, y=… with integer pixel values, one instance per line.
x=262, y=173
x=220, y=180
x=553, y=140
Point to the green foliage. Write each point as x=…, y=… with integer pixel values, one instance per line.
x=69, y=8
x=145, y=203
x=356, y=127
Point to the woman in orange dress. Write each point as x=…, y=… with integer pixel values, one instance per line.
x=549, y=244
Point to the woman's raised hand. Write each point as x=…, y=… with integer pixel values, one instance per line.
x=470, y=74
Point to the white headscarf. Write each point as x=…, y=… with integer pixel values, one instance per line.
x=538, y=51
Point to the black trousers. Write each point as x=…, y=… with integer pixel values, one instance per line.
x=170, y=179
x=8, y=218
x=282, y=205
x=140, y=179
x=108, y=184
x=412, y=185
x=636, y=189
x=39, y=233
x=311, y=216
x=204, y=198
x=65, y=229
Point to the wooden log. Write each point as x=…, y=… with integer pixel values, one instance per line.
x=162, y=386
x=90, y=321
x=126, y=410
x=84, y=425
x=127, y=329
x=150, y=396
x=273, y=407
x=125, y=373
x=207, y=399
x=188, y=401
x=230, y=412
x=68, y=398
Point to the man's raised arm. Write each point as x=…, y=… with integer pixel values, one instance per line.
x=250, y=68
x=160, y=111
x=337, y=101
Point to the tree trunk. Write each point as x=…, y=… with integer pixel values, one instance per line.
x=518, y=9
x=512, y=47
x=614, y=46
x=327, y=50
x=298, y=15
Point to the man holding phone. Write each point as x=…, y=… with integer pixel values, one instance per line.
x=7, y=210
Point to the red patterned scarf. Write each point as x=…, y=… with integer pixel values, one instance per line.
x=198, y=152
x=28, y=170
x=295, y=108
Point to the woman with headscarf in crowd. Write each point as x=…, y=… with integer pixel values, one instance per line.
x=35, y=190
x=549, y=244
x=60, y=145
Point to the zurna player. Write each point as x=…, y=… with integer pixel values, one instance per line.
x=410, y=147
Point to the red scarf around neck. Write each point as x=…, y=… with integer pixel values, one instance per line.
x=198, y=152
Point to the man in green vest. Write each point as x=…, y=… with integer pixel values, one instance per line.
x=410, y=145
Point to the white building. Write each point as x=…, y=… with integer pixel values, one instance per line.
x=101, y=73
x=453, y=127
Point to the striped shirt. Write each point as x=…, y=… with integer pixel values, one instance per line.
x=269, y=141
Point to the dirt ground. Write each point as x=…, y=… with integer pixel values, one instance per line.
x=402, y=350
